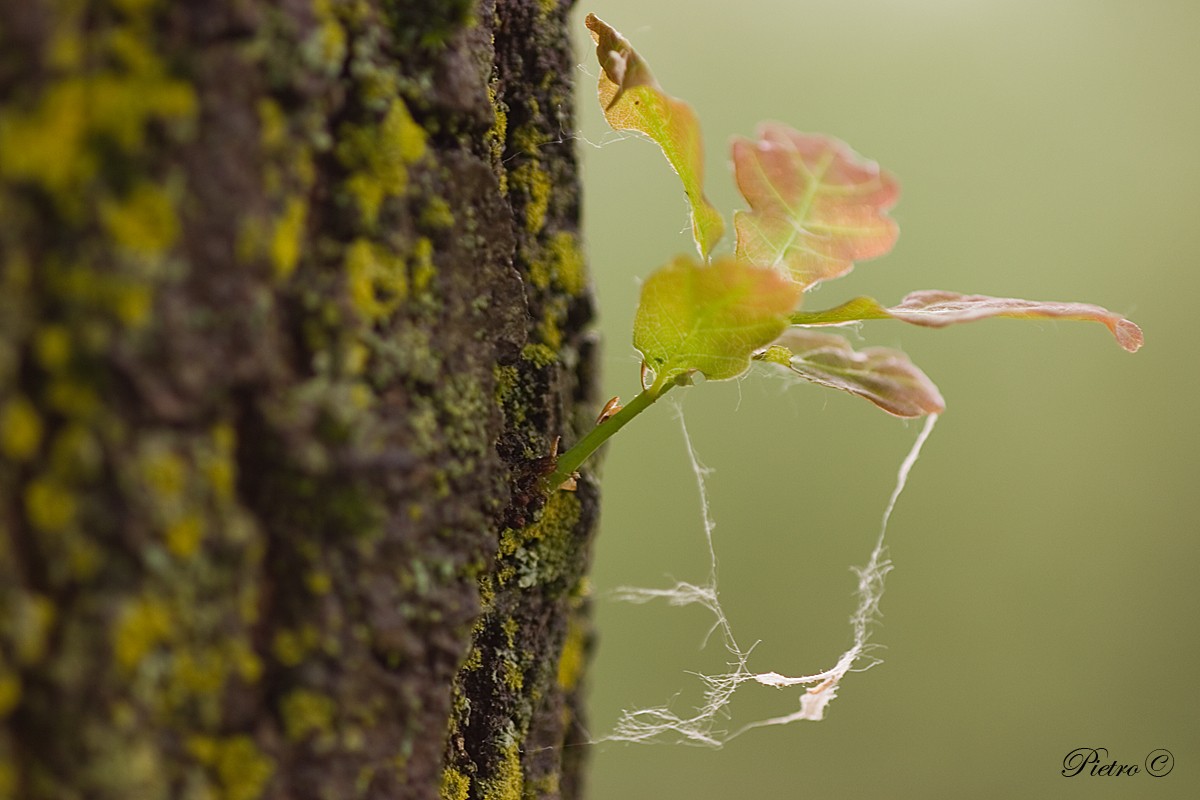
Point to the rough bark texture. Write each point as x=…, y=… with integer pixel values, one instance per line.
x=292, y=310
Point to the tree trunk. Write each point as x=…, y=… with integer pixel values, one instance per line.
x=292, y=312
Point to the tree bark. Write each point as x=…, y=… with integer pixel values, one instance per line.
x=292, y=313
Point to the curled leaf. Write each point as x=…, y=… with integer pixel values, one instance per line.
x=816, y=206
x=633, y=101
x=709, y=318
x=937, y=309
x=885, y=377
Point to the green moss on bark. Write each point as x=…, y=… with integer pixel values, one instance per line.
x=264, y=416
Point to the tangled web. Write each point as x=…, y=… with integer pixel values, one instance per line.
x=662, y=724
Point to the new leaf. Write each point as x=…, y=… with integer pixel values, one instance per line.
x=937, y=309
x=633, y=101
x=816, y=207
x=709, y=318
x=885, y=377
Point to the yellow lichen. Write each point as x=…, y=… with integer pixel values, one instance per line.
x=539, y=355
x=510, y=627
x=330, y=36
x=220, y=473
x=46, y=144
x=131, y=304
x=291, y=646
x=184, y=535
x=51, y=144
x=304, y=712
x=196, y=672
x=20, y=429
x=437, y=214
x=53, y=347
x=31, y=621
x=423, y=269
x=242, y=768
x=217, y=463
x=10, y=691
x=272, y=124
x=534, y=182
x=75, y=453
x=514, y=678
x=164, y=473
x=318, y=582
x=508, y=783
x=487, y=592
x=287, y=238
x=244, y=660
x=548, y=329
x=527, y=139
x=377, y=277
x=69, y=396
x=144, y=624
x=497, y=135
x=136, y=8
x=571, y=662
x=565, y=262
x=49, y=505
x=144, y=222
x=455, y=785
x=550, y=534
x=380, y=156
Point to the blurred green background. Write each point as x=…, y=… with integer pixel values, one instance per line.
x=1045, y=590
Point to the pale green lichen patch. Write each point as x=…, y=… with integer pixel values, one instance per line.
x=541, y=552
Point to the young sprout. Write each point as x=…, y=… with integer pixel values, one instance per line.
x=815, y=209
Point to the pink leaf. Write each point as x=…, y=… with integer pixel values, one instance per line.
x=885, y=377
x=816, y=207
x=937, y=309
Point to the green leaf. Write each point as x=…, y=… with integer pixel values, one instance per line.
x=937, y=309
x=709, y=318
x=633, y=101
x=816, y=206
x=885, y=377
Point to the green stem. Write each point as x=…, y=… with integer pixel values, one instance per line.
x=571, y=460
